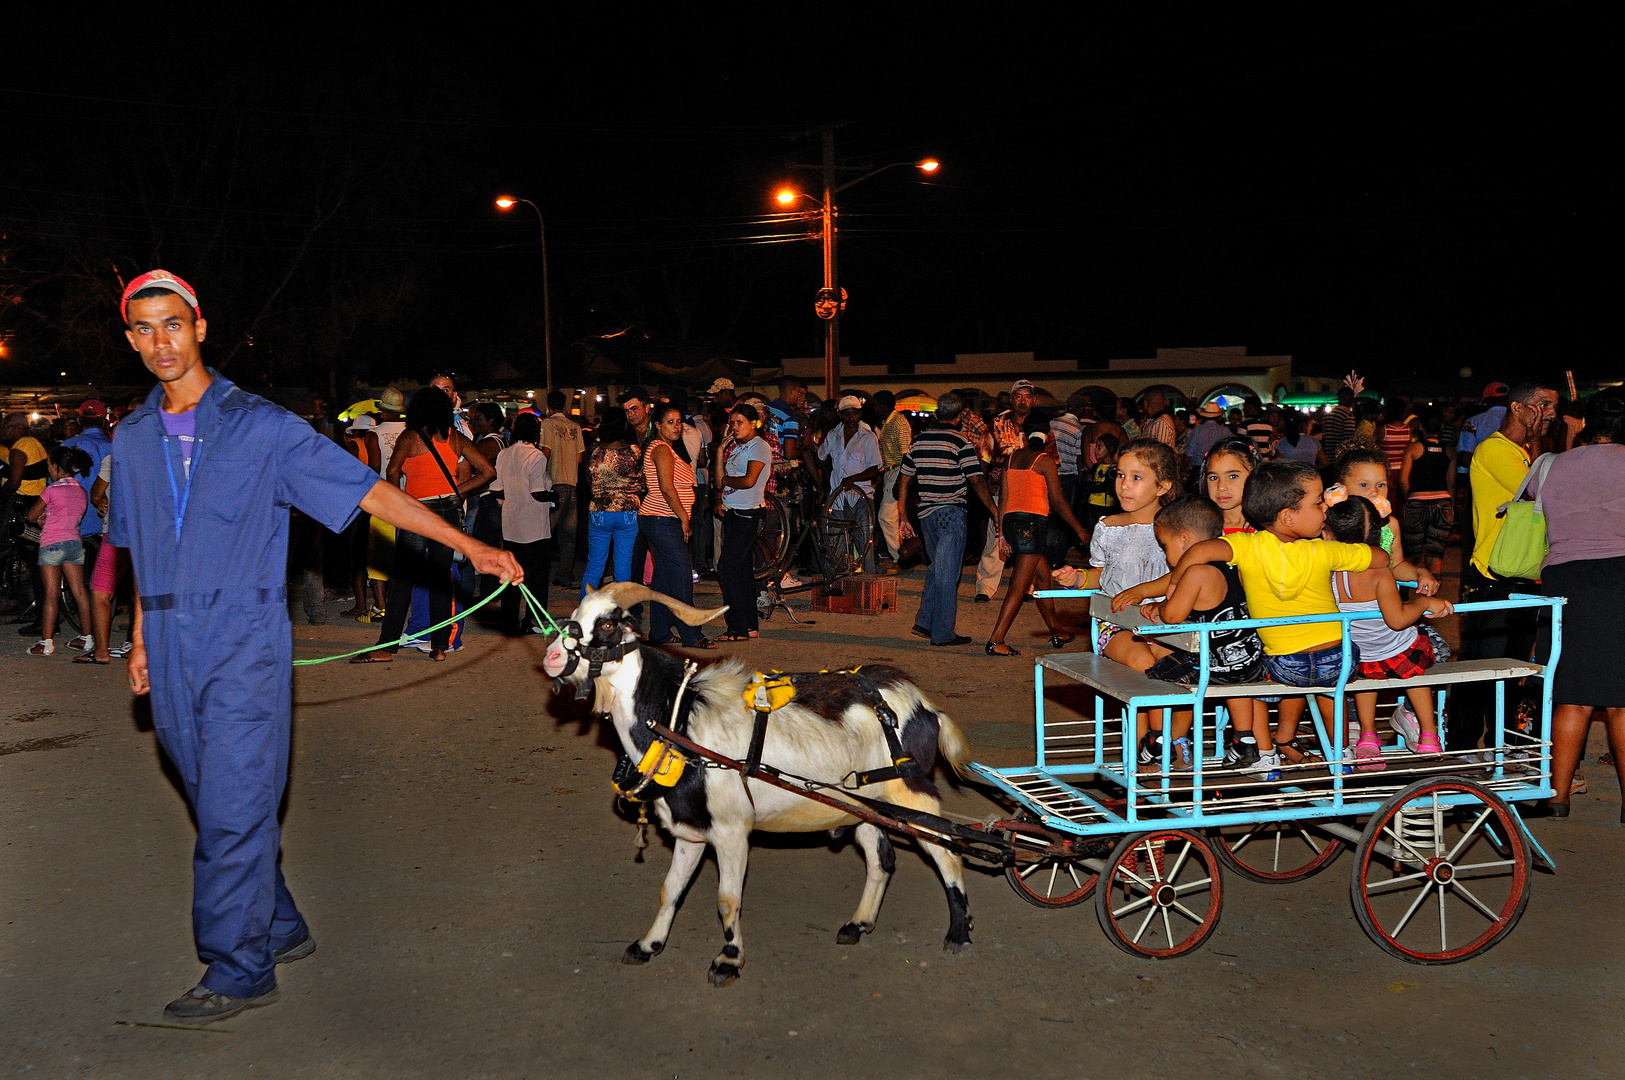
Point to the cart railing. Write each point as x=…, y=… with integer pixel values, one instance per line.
x=1046, y=787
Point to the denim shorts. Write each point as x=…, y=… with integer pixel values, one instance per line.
x=67, y=551
x=1025, y=533
x=1319, y=667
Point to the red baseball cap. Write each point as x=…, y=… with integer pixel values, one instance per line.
x=158, y=279
x=92, y=407
x=1495, y=390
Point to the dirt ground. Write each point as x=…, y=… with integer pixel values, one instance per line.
x=451, y=837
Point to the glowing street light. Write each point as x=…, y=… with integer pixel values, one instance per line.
x=831, y=298
x=507, y=202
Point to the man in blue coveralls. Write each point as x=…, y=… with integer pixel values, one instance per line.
x=207, y=474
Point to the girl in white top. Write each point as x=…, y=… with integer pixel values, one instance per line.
x=1123, y=550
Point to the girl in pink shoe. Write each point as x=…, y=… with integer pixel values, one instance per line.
x=1389, y=648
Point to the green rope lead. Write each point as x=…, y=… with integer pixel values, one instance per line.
x=538, y=611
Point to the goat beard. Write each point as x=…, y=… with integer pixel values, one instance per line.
x=628, y=593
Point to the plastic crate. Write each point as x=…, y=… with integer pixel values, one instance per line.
x=857, y=596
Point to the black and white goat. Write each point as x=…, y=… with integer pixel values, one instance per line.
x=827, y=732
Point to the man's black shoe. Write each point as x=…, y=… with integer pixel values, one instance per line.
x=920, y=631
x=980, y=599
x=960, y=640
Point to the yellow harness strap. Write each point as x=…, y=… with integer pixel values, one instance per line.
x=764, y=694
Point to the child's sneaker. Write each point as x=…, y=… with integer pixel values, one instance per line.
x=1405, y=724
x=1241, y=753
x=1265, y=766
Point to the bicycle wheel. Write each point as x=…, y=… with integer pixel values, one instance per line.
x=847, y=542
x=767, y=554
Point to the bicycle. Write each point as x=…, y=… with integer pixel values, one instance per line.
x=836, y=547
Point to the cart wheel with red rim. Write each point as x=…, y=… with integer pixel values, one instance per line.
x=1160, y=893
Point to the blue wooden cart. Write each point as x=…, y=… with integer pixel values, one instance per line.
x=1442, y=863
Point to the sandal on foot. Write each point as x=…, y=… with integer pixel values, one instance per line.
x=82, y=643
x=1428, y=745
x=43, y=647
x=1057, y=640
x=1368, y=753
x=89, y=658
x=993, y=648
x=732, y=637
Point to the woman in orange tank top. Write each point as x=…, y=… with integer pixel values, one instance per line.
x=1029, y=492
x=419, y=560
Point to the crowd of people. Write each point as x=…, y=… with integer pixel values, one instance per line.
x=1341, y=506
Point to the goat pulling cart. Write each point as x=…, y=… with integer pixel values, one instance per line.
x=1442, y=863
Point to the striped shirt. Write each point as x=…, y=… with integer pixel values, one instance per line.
x=1160, y=428
x=895, y=436
x=1068, y=435
x=1336, y=429
x=682, y=478
x=942, y=460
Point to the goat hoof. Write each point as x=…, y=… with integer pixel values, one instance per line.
x=850, y=934
x=949, y=945
x=723, y=974
x=637, y=954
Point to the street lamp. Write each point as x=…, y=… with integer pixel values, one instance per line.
x=506, y=202
x=831, y=299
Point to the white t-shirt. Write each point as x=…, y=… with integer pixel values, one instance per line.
x=522, y=469
x=387, y=433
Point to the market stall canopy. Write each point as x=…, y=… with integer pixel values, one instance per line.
x=917, y=403
x=368, y=406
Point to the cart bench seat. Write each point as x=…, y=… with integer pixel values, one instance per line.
x=1124, y=684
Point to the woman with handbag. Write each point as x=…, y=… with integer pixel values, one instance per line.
x=425, y=455
x=1582, y=497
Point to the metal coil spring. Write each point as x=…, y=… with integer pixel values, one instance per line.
x=1421, y=829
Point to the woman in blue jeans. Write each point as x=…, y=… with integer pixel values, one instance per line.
x=617, y=488
x=665, y=521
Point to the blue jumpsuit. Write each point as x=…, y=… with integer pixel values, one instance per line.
x=210, y=559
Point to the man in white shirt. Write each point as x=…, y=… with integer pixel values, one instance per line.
x=853, y=453
x=561, y=442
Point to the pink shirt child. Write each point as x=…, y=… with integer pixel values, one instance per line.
x=65, y=504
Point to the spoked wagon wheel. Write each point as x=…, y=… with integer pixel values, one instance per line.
x=1275, y=852
x=1160, y=894
x=1432, y=884
x=1054, y=880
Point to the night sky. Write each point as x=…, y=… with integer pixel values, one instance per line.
x=1406, y=192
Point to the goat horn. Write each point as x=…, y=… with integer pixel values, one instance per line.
x=627, y=593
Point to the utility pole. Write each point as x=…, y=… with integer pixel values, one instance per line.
x=831, y=294
x=831, y=300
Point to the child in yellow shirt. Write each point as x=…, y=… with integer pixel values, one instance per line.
x=1286, y=570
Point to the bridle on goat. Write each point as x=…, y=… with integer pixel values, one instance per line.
x=571, y=640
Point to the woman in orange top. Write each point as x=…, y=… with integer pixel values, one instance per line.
x=419, y=560
x=1031, y=488
x=665, y=522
